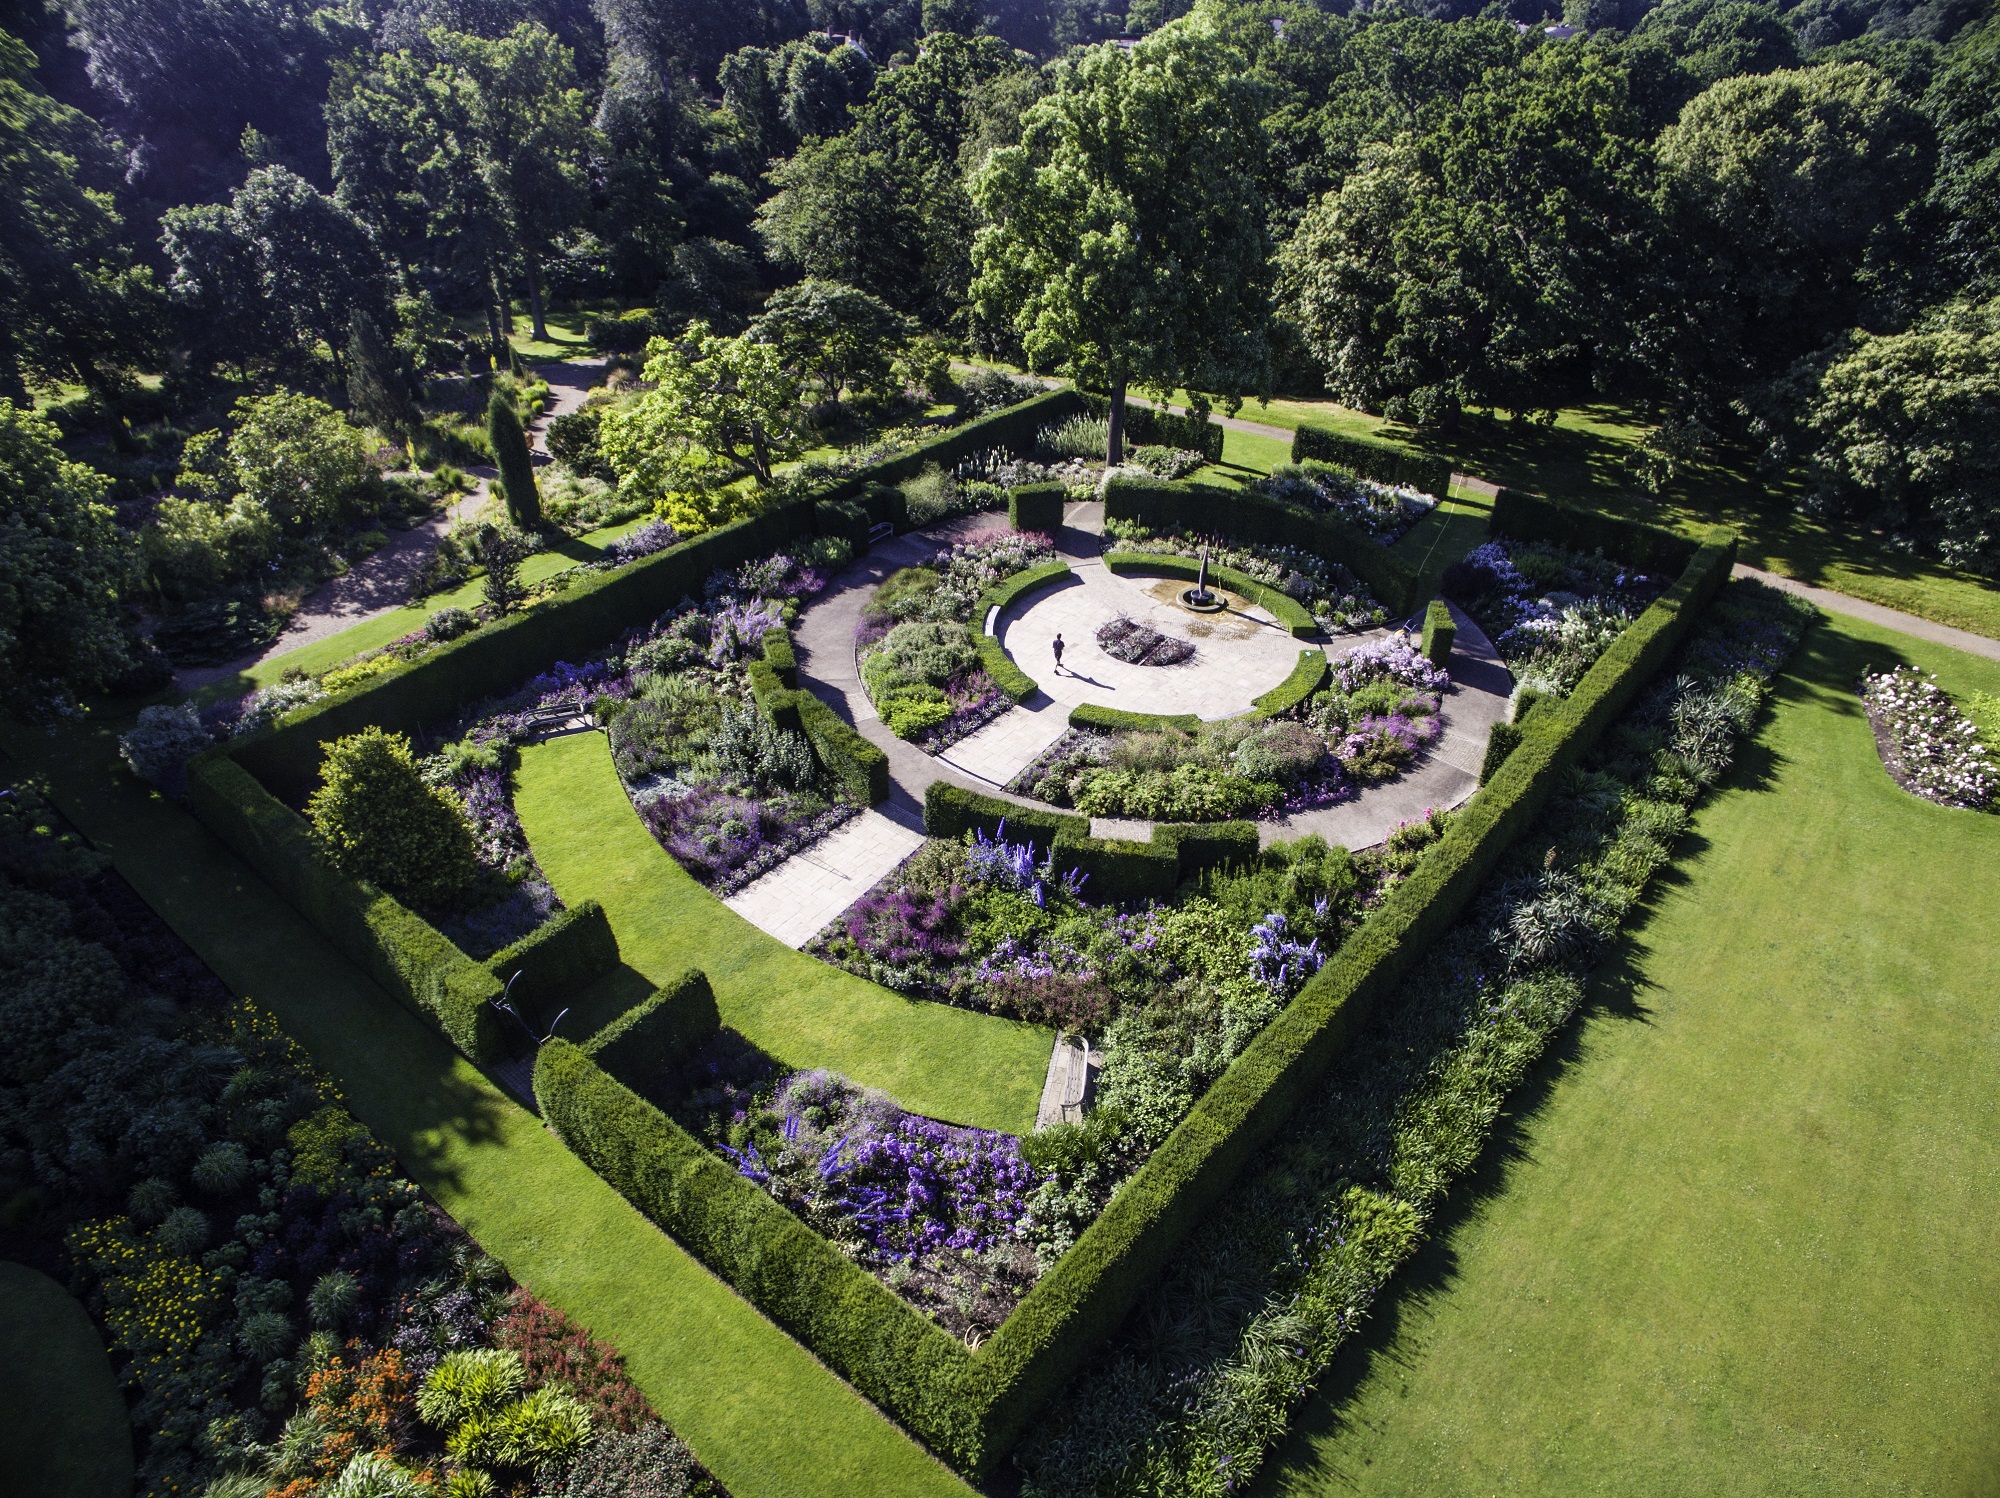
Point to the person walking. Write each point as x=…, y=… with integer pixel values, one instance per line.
x=1058, y=650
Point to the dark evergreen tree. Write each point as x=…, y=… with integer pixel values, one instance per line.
x=378, y=386
x=517, y=470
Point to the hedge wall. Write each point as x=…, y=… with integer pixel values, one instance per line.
x=845, y=518
x=1198, y=508
x=1013, y=429
x=564, y=954
x=1306, y=678
x=896, y=1357
x=392, y=944
x=780, y=657
x=1440, y=632
x=861, y=769
x=1148, y=426
x=1037, y=507
x=1385, y=462
x=1286, y=609
x=1118, y=720
x=1529, y=517
x=650, y=1036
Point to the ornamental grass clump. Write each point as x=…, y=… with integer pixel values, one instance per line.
x=1931, y=747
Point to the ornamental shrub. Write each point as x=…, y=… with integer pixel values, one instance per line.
x=517, y=469
x=380, y=821
x=164, y=739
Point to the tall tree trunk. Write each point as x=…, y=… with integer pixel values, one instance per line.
x=1114, y=447
x=493, y=332
x=535, y=298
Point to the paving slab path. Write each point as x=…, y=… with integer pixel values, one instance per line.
x=1875, y=613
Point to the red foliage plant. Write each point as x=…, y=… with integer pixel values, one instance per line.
x=554, y=1350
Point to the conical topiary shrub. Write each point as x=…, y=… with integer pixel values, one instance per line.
x=517, y=470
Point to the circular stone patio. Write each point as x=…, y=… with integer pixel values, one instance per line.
x=1240, y=653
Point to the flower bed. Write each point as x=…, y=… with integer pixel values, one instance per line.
x=1339, y=602
x=1550, y=612
x=1171, y=992
x=1383, y=511
x=1931, y=748
x=1126, y=640
x=1376, y=719
x=1278, y=1281
x=915, y=647
x=287, y=1314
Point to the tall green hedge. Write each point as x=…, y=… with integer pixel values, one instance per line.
x=1037, y=507
x=1281, y=606
x=558, y=959
x=1385, y=462
x=646, y=1040
x=860, y=767
x=1529, y=517
x=1440, y=632
x=1013, y=429
x=845, y=518
x=408, y=956
x=1258, y=521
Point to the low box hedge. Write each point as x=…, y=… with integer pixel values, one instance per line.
x=1385, y=462
x=780, y=657
x=1307, y=677
x=1037, y=507
x=1008, y=677
x=1286, y=609
x=646, y=1040
x=565, y=954
x=401, y=951
x=1529, y=517
x=1440, y=632
x=1118, y=720
x=1199, y=509
x=774, y=699
x=860, y=768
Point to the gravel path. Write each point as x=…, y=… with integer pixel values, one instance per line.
x=380, y=581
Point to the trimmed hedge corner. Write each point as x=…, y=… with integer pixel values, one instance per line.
x=1385, y=462
x=860, y=767
x=1306, y=678
x=1286, y=609
x=1202, y=508
x=1440, y=631
x=1529, y=517
x=1037, y=507
x=568, y=952
x=780, y=657
x=639, y=1045
x=397, y=948
x=845, y=518
x=1118, y=720
x=1501, y=740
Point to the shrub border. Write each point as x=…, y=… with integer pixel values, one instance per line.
x=1119, y=720
x=1372, y=458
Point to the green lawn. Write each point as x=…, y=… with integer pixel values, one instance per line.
x=1743, y=1236
x=566, y=338
x=758, y=1409
x=63, y=1427
x=947, y=1063
x=371, y=634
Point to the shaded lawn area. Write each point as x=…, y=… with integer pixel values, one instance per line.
x=758, y=1409
x=386, y=629
x=947, y=1063
x=63, y=1427
x=1741, y=1236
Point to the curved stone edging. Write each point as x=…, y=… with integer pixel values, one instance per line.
x=1446, y=777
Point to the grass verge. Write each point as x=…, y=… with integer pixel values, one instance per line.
x=757, y=1408
x=63, y=1428
x=1741, y=1236
x=943, y=1062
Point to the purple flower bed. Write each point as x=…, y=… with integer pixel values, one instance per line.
x=655, y=535
x=1393, y=657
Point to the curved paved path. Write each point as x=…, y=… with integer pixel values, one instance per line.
x=824, y=640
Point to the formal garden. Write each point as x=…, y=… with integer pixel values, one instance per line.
x=1223, y=747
